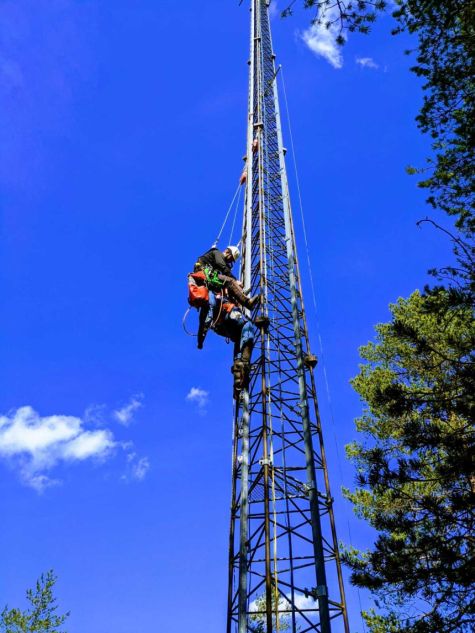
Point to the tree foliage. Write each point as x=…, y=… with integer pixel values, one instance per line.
x=415, y=464
x=445, y=60
x=347, y=15
x=257, y=619
x=416, y=474
x=41, y=616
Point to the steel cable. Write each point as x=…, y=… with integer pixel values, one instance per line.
x=227, y=215
x=312, y=285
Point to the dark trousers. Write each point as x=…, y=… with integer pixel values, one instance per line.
x=234, y=290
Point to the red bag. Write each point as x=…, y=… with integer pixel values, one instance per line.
x=198, y=296
x=198, y=293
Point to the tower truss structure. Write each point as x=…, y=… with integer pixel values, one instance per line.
x=284, y=566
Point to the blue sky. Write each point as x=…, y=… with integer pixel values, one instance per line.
x=123, y=130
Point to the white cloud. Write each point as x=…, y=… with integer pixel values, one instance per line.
x=88, y=444
x=321, y=40
x=200, y=397
x=367, y=62
x=41, y=482
x=137, y=469
x=304, y=602
x=95, y=414
x=125, y=415
x=36, y=444
x=141, y=468
x=301, y=602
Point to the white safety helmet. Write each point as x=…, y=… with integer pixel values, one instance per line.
x=234, y=250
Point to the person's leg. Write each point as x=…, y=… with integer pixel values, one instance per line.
x=211, y=306
x=247, y=342
x=242, y=354
x=236, y=292
x=237, y=349
x=206, y=318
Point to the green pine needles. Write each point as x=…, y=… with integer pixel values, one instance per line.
x=415, y=467
x=415, y=456
x=41, y=616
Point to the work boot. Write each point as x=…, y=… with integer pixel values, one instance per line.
x=240, y=372
x=262, y=321
x=237, y=372
x=202, y=332
x=250, y=303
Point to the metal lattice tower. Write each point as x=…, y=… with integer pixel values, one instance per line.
x=284, y=566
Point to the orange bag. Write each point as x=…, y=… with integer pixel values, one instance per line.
x=198, y=293
x=228, y=306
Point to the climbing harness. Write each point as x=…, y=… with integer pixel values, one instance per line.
x=212, y=277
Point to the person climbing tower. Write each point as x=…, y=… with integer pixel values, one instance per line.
x=231, y=323
x=216, y=266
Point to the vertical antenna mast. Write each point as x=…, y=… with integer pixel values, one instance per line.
x=284, y=566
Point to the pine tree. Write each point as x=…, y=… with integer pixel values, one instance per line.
x=41, y=616
x=416, y=472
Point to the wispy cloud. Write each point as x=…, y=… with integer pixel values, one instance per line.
x=199, y=397
x=36, y=444
x=95, y=414
x=322, y=40
x=141, y=468
x=367, y=62
x=137, y=468
x=125, y=415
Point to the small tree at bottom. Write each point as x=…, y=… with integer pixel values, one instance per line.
x=41, y=616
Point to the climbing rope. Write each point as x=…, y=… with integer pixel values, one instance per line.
x=227, y=216
x=212, y=326
x=216, y=320
x=235, y=216
x=183, y=322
